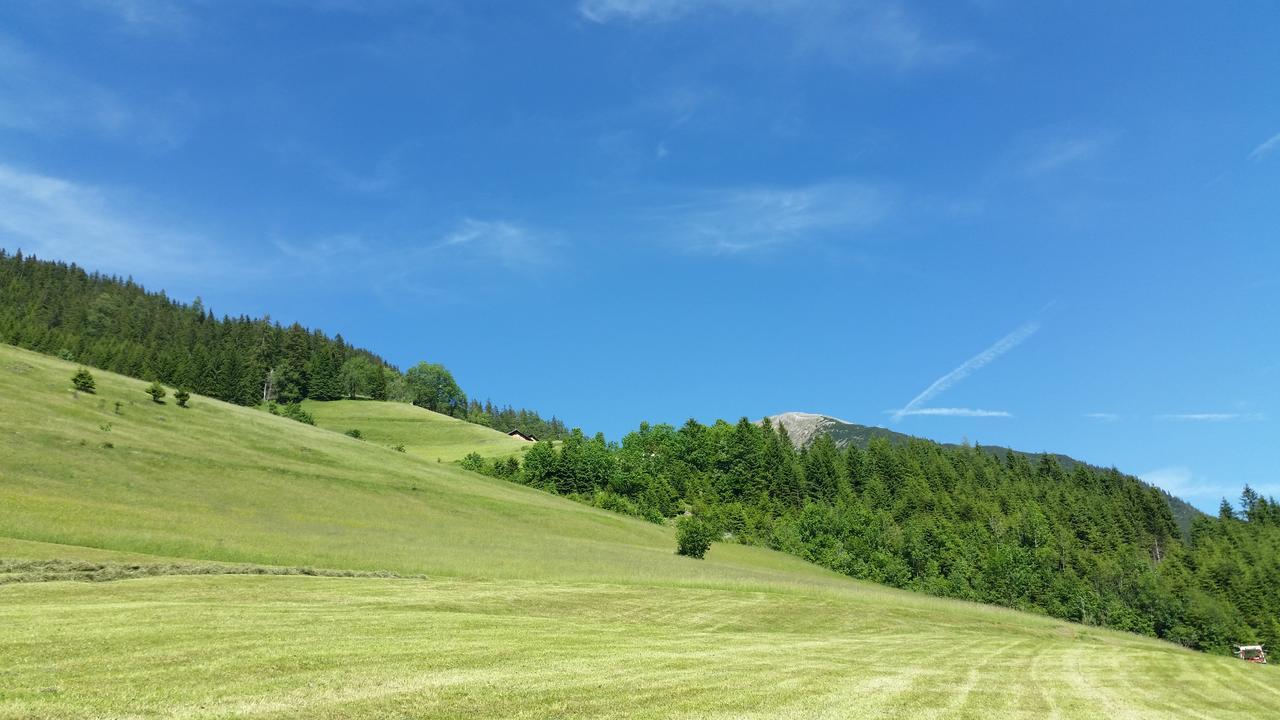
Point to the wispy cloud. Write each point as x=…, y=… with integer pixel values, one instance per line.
x=1105, y=417
x=145, y=15
x=58, y=218
x=514, y=246
x=952, y=412
x=1182, y=482
x=454, y=265
x=38, y=96
x=1201, y=491
x=1271, y=145
x=605, y=11
x=342, y=250
x=838, y=31
x=1059, y=153
x=115, y=231
x=385, y=173
x=741, y=220
x=968, y=367
x=392, y=260
x=1212, y=417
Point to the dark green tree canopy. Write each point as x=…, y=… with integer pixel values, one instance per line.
x=432, y=386
x=116, y=325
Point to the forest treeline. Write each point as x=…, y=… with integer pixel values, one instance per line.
x=1090, y=545
x=115, y=324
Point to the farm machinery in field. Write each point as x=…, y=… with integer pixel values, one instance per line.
x=1251, y=653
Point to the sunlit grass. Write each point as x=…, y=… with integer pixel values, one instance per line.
x=533, y=606
x=420, y=432
x=340, y=648
x=220, y=482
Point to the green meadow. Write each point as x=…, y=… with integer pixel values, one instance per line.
x=420, y=432
x=495, y=600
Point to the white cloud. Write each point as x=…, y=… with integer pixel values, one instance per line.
x=55, y=218
x=838, y=31
x=1103, y=416
x=1271, y=145
x=951, y=412
x=1212, y=417
x=741, y=220
x=968, y=367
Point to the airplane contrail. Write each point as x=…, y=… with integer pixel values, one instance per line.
x=970, y=366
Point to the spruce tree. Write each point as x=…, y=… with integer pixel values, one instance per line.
x=83, y=381
x=378, y=389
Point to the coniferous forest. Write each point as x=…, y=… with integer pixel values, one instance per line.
x=115, y=324
x=1091, y=545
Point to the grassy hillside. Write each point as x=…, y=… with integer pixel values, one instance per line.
x=423, y=433
x=224, y=482
x=533, y=606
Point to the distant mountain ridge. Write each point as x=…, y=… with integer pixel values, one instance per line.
x=804, y=427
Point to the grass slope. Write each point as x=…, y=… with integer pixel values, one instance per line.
x=533, y=606
x=423, y=433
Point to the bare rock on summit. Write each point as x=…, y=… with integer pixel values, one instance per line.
x=803, y=427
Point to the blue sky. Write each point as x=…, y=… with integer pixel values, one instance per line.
x=1046, y=225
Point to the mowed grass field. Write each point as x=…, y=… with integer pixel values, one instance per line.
x=529, y=605
x=422, y=433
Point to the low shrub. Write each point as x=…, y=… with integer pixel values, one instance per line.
x=473, y=462
x=294, y=411
x=182, y=396
x=694, y=536
x=156, y=391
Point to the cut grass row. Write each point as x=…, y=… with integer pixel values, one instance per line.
x=294, y=647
